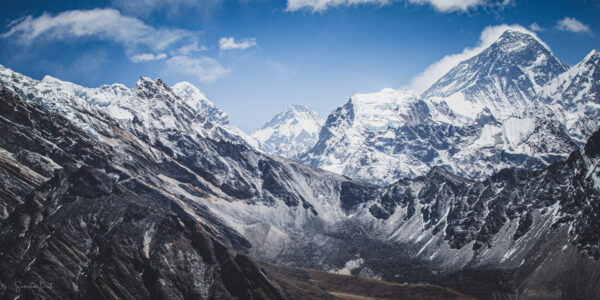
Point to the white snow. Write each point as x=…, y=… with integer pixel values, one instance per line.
x=349, y=266
x=516, y=130
x=291, y=132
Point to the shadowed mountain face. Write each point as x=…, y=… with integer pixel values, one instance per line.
x=75, y=226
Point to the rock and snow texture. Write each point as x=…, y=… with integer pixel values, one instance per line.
x=482, y=116
x=150, y=103
x=290, y=132
x=193, y=97
x=503, y=78
x=279, y=210
x=575, y=95
x=197, y=100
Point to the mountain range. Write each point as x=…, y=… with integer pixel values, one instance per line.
x=149, y=192
x=514, y=105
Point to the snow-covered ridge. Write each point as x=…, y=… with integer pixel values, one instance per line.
x=290, y=132
x=482, y=116
x=151, y=103
x=388, y=108
x=196, y=99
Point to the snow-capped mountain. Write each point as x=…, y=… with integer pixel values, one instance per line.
x=147, y=197
x=575, y=97
x=197, y=100
x=479, y=118
x=503, y=78
x=149, y=103
x=290, y=132
x=357, y=138
x=107, y=189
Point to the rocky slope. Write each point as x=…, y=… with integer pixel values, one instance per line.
x=499, y=237
x=77, y=224
x=482, y=116
x=290, y=132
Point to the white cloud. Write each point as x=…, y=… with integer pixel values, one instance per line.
x=444, y=6
x=450, y=5
x=103, y=24
x=190, y=48
x=488, y=36
x=142, y=57
x=536, y=27
x=145, y=8
x=572, y=25
x=204, y=68
x=229, y=43
x=321, y=5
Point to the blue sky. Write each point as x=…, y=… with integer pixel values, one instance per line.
x=253, y=58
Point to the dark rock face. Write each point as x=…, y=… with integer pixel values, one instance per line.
x=77, y=225
x=83, y=236
x=80, y=234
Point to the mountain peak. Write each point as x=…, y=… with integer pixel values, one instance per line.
x=593, y=56
x=193, y=97
x=504, y=77
x=291, y=132
x=298, y=108
x=516, y=41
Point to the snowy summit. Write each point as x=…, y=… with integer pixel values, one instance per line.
x=291, y=132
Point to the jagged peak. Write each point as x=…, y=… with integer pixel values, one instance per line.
x=189, y=89
x=196, y=99
x=525, y=39
x=294, y=111
x=298, y=107
x=593, y=57
x=147, y=87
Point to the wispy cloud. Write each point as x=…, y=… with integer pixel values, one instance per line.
x=488, y=36
x=145, y=8
x=190, y=48
x=229, y=43
x=444, y=6
x=536, y=27
x=204, y=68
x=141, y=42
x=103, y=24
x=572, y=25
x=142, y=57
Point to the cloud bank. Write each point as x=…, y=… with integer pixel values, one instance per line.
x=135, y=36
x=229, y=43
x=489, y=35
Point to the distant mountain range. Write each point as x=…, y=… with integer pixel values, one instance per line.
x=512, y=105
x=149, y=192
